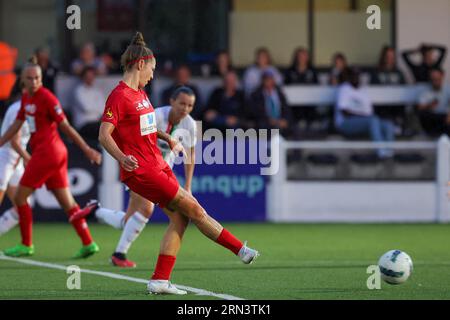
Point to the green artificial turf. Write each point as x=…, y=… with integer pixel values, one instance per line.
x=298, y=261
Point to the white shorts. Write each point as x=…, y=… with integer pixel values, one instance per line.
x=9, y=173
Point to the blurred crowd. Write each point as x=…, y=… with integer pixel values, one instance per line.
x=252, y=97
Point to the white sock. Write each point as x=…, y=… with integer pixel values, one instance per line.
x=8, y=220
x=111, y=217
x=131, y=231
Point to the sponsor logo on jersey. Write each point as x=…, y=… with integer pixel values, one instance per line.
x=109, y=114
x=144, y=104
x=148, y=123
x=30, y=108
x=58, y=109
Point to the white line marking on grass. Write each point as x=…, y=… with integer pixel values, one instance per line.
x=112, y=275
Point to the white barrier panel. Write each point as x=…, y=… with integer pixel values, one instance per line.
x=65, y=85
x=302, y=201
x=378, y=94
x=355, y=202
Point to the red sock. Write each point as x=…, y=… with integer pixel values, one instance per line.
x=26, y=224
x=164, y=267
x=229, y=241
x=81, y=227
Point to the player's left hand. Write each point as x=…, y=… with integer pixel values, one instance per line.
x=94, y=156
x=177, y=148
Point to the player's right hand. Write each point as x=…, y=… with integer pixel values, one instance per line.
x=129, y=163
x=94, y=156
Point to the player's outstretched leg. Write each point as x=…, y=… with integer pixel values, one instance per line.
x=132, y=223
x=25, y=214
x=69, y=205
x=187, y=205
x=8, y=220
x=169, y=247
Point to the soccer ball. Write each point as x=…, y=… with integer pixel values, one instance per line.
x=395, y=266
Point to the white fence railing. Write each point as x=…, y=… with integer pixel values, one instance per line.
x=336, y=201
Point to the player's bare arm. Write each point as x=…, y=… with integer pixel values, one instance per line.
x=70, y=132
x=9, y=134
x=189, y=169
x=17, y=146
x=174, y=144
x=128, y=162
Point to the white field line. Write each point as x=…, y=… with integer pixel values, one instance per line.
x=112, y=275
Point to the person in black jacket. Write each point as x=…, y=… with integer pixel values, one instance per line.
x=387, y=72
x=301, y=70
x=226, y=108
x=421, y=71
x=183, y=78
x=269, y=107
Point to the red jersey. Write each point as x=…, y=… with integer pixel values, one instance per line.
x=43, y=113
x=135, y=131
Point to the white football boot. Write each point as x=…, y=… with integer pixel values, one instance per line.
x=247, y=254
x=163, y=287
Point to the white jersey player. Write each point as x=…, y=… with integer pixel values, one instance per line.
x=12, y=156
x=176, y=121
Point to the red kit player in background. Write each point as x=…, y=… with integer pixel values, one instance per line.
x=48, y=163
x=128, y=132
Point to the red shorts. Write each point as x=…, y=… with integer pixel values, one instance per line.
x=53, y=173
x=160, y=187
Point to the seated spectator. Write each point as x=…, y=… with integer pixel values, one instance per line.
x=428, y=60
x=387, y=72
x=89, y=104
x=339, y=64
x=88, y=58
x=183, y=78
x=354, y=114
x=49, y=69
x=434, y=105
x=222, y=64
x=226, y=107
x=301, y=70
x=269, y=108
x=253, y=74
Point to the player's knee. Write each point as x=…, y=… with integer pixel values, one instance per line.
x=146, y=211
x=197, y=212
x=19, y=200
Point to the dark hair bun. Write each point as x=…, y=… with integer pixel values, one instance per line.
x=138, y=40
x=33, y=59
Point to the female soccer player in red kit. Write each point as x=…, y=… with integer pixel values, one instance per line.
x=128, y=132
x=48, y=163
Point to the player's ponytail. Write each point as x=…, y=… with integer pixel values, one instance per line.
x=32, y=62
x=138, y=40
x=136, y=51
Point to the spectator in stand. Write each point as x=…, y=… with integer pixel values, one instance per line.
x=387, y=72
x=226, y=108
x=183, y=78
x=88, y=58
x=89, y=104
x=252, y=76
x=269, y=108
x=49, y=69
x=222, y=64
x=354, y=114
x=301, y=70
x=421, y=70
x=434, y=105
x=339, y=64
